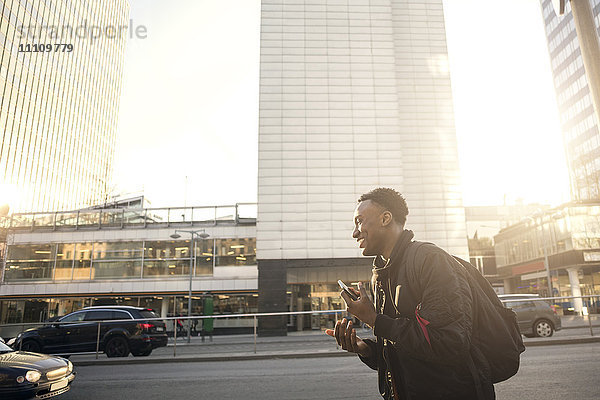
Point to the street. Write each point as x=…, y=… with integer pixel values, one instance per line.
x=547, y=372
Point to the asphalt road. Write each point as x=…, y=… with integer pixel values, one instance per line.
x=547, y=372
x=312, y=342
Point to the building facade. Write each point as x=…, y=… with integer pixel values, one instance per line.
x=353, y=95
x=561, y=245
x=483, y=223
x=58, y=262
x=60, y=82
x=581, y=133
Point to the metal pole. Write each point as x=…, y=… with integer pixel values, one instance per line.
x=589, y=316
x=546, y=263
x=98, y=341
x=192, y=256
x=175, y=337
x=337, y=318
x=589, y=45
x=255, y=334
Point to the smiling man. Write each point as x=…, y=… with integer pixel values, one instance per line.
x=421, y=316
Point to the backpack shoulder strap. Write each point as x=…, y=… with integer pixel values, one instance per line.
x=483, y=283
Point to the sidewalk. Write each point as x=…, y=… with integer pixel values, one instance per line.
x=306, y=344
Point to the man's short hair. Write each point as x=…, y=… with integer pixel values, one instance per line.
x=390, y=200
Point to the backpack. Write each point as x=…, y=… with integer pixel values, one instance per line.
x=495, y=330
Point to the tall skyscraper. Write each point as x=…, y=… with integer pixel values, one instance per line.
x=60, y=83
x=353, y=95
x=581, y=134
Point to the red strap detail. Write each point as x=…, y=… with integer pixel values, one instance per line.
x=423, y=324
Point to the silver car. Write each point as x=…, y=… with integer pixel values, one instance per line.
x=535, y=317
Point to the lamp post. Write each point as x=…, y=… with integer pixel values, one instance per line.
x=589, y=43
x=544, y=245
x=201, y=233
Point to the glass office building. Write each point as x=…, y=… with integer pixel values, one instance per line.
x=60, y=81
x=581, y=133
x=353, y=95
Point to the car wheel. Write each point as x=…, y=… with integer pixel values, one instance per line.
x=31, y=346
x=543, y=328
x=117, y=347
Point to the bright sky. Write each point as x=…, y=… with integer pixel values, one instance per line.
x=189, y=111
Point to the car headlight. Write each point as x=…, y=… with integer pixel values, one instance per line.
x=33, y=376
x=69, y=366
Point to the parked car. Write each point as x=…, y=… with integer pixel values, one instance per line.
x=78, y=332
x=25, y=375
x=535, y=317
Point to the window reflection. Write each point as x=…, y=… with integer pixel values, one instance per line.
x=83, y=261
x=167, y=249
x=154, y=268
x=30, y=262
x=65, y=254
x=236, y=252
x=204, y=257
x=124, y=259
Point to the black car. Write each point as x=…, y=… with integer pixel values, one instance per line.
x=25, y=375
x=535, y=317
x=78, y=332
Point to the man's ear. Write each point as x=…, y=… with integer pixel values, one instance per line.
x=386, y=218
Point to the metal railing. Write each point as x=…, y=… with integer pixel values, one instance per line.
x=255, y=316
x=239, y=213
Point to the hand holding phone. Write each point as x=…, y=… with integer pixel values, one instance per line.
x=347, y=290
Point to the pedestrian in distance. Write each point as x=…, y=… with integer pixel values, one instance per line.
x=425, y=314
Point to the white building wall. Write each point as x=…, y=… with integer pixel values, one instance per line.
x=353, y=95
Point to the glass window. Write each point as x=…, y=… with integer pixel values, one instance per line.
x=117, y=250
x=167, y=249
x=66, y=219
x=83, y=261
x=519, y=305
x=116, y=269
x=236, y=252
x=116, y=314
x=98, y=315
x=65, y=253
x=148, y=314
x=29, y=262
x=204, y=257
x=166, y=268
x=79, y=316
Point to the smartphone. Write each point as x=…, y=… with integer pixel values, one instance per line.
x=345, y=289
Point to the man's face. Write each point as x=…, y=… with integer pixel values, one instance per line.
x=368, y=228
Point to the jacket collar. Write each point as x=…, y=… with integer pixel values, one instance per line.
x=382, y=266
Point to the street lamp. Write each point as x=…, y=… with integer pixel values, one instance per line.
x=201, y=233
x=545, y=245
x=589, y=44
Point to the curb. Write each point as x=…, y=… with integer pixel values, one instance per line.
x=589, y=339
x=284, y=356
x=239, y=357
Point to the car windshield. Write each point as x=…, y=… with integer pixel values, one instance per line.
x=4, y=348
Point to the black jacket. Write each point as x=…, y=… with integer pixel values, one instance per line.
x=423, y=327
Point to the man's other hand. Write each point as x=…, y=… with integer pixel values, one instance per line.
x=362, y=308
x=345, y=335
